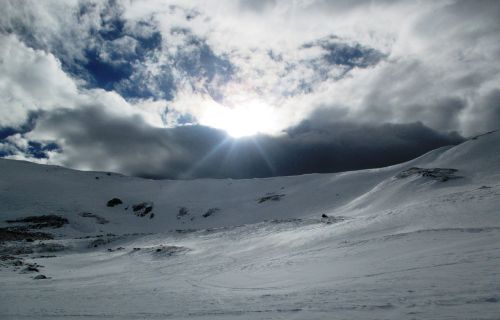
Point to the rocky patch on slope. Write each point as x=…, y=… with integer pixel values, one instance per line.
x=114, y=202
x=143, y=209
x=38, y=222
x=183, y=211
x=439, y=174
x=168, y=251
x=22, y=228
x=270, y=197
x=210, y=212
x=14, y=234
x=99, y=219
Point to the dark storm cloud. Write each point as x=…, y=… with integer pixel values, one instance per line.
x=394, y=76
x=487, y=115
x=94, y=139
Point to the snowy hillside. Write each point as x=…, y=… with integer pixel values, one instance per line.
x=417, y=240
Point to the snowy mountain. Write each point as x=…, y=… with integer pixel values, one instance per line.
x=417, y=240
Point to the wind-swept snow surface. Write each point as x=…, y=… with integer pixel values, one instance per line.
x=418, y=240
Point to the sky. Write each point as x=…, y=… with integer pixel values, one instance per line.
x=244, y=89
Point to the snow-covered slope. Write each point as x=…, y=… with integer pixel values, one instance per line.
x=398, y=243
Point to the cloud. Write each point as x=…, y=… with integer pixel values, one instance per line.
x=381, y=60
x=324, y=69
x=257, y=5
x=91, y=138
x=337, y=52
x=487, y=115
x=102, y=44
x=30, y=80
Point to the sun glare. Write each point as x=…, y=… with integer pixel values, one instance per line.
x=247, y=119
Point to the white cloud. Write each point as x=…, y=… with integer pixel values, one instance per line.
x=441, y=65
x=30, y=80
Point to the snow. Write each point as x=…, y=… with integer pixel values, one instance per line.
x=400, y=248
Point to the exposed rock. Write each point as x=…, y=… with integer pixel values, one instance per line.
x=40, y=277
x=183, y=211
x=7, y=257
x=483, y=134
x=210, y=212
x=15, y=249
x=99, y=219
x=286, y=220
x=99, y=242
x=142, y=209
x=114, y=202
x=30, y=268
x=182, y=231
x=9, y=260
x=21, y=248
x=271, y=196
x=20, y=233
x=138, y=207
x=169, y=250
x=332, y=219
x=43, y=221
x=17, y=263
x=440, y=174
x=49, y=247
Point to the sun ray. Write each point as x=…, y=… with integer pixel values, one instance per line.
x=188, y=174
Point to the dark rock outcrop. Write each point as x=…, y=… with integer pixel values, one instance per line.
x=183, y=211
x=272, y=197
x=168, y=251
x=440, y=174
x=16, y=234
x=43, y=221
x=210, y=212
x=114, y=202
x=99, y=219
x=142, y=209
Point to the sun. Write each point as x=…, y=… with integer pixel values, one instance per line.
x=245, y=119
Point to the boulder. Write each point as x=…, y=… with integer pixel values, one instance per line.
x=210, y=212
x=114, y=202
